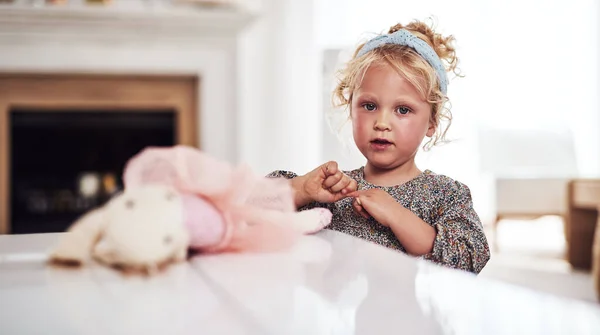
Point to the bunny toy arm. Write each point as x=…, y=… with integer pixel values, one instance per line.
x=75, y=247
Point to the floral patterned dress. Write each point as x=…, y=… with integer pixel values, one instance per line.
x=438, y=200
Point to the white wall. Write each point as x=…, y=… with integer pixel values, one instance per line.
x=279, y=106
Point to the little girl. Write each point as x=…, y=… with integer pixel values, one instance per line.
x=395, y=90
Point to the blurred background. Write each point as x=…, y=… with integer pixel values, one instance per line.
x=84, y=85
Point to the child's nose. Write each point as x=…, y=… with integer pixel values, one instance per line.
x=382, y=121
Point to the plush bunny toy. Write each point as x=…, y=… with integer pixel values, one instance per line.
x=178, y=199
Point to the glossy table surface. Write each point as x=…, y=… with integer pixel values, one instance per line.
x=329, y=283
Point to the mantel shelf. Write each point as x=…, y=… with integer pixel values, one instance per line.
x=117, y=21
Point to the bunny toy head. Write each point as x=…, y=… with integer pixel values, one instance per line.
x=141, y=229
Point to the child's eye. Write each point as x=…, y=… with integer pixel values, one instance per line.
x=369, y=106
x=403, y=110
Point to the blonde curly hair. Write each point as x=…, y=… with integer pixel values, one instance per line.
x=411, y=66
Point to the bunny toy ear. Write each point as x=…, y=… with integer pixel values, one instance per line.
x=151, y=166
x=76, y=244
x=182, y=167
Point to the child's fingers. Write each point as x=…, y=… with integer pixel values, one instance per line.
x=331, y=168
x=333, y=180
x=358, y=208
x=352, y=187
x=341, y=185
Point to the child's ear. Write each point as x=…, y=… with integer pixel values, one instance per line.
x=432, y=128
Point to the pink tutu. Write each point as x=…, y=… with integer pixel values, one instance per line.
x=227, y=208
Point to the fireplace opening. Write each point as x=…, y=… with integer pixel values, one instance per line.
x=66, y=162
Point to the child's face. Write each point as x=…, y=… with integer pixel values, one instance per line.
x=389, y=118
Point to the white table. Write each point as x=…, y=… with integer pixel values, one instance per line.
x=329, y=284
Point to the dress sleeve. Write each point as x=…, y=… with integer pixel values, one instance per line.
x=291, y=175
x=460, y=241
x=282, y=174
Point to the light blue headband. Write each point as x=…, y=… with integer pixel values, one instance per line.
x=404, y=37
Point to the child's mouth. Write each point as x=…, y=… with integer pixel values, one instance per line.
x=380, y=143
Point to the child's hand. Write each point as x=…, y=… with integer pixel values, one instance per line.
x=324, y=184
x=376, y=203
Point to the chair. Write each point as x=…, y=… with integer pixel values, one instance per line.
x=531, y=169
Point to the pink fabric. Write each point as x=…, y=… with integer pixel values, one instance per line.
x=254, y=210
x=198, y=212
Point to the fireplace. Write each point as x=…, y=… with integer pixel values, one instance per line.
x=66, y=162
x=133, y=58
x=65, y=139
